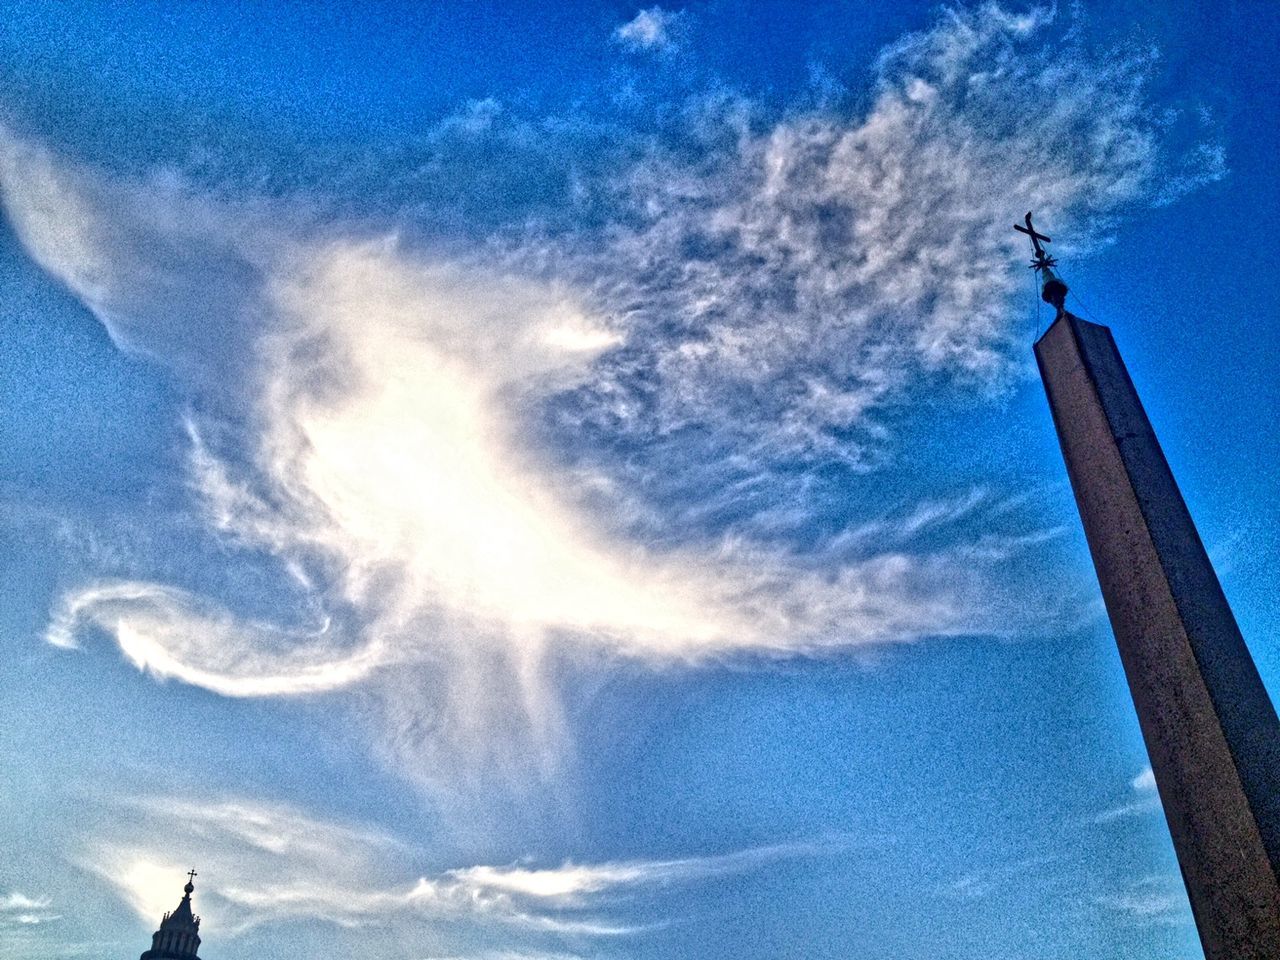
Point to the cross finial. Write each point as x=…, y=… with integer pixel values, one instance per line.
x=1053, y=291
x=1041, y=259
x=191, y=874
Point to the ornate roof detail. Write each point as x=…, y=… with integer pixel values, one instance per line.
x=179, y=935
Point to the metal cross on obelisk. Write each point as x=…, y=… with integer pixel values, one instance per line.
x=1052, y=291
x=1209, y=726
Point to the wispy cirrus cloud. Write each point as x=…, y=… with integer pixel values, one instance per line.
x=382, y=458
x=572, y=884
x=19, y=909
x=985, y=881
x=787, y=281
x=170, y=633
x=470, y=462
x=1150, y=900
x=30, y=926
x=1143, y=799
x=264, y=863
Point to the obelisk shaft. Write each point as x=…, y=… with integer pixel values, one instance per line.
x=1210, y=728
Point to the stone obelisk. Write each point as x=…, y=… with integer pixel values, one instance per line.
x=1210, y=728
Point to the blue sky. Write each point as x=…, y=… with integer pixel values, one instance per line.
x=514, y=484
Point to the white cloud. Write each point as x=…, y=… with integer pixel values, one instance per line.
x=388, y=468
x=570, y=883
x=18, y=909
x=368, y=409
x=1148, y=800
x=20, y=901
x=1150, y=900
x=985, y=881
x=169, y=633
x=1145, y=782
x=262, y=863
x=789, y=283
x=651, y=29
x=1145, y=904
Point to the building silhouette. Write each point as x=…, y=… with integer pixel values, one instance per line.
x=179, y=935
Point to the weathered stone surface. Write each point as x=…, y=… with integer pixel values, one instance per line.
x=1210, y=728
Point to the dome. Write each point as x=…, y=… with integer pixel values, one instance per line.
x=179, y=935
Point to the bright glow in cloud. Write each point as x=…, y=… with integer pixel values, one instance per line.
x=421, y=480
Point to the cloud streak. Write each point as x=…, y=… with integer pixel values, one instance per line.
x=18, y=909
x=572, y=884
x=1147, y=799
x=1150, y=901
x=264, y=863
x=169, y=633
